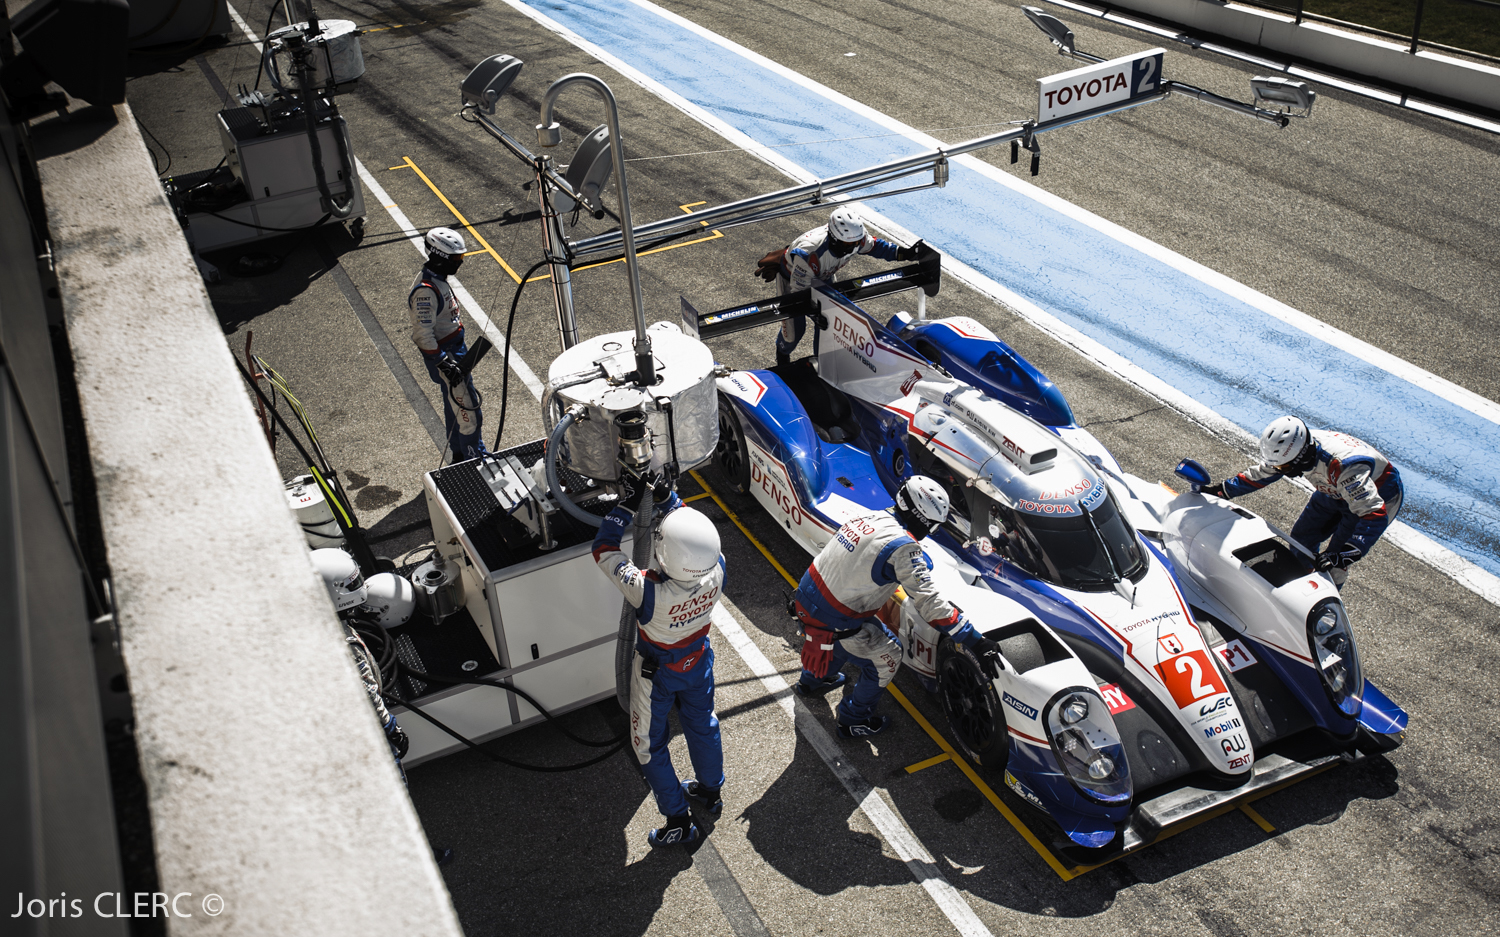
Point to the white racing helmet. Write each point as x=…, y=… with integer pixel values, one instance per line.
x=341, y=576
x=390, y=599
x=445, y=243
x=1284, y=440
x=844, y=225
x=686, y=545
x=921, y=502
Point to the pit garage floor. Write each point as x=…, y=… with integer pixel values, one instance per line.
x=893, y=834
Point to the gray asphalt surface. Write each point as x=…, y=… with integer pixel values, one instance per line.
x=1381, y=222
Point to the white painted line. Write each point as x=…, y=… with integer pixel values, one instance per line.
x=892, y=828
x=1417, y=104
x=523, y=371
x=475, y=311
x=1467, y=574
x=1344, y=84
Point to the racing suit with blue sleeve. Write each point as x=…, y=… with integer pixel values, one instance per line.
x=674, y=664
x=809, y=261
x=436, y=329
x=848, y=582
x=1358, y=494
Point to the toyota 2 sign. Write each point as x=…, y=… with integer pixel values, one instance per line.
x=1094, y=86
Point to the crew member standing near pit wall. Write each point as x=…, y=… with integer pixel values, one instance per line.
x=816, y=258
x=1359, y=491
x=438, y=333
x=674, y=664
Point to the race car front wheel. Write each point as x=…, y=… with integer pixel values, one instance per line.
x=731, y=454
x=972, y=707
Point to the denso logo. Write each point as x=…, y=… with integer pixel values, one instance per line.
x=1020, y=707
x=1227, y=725
x=1068, y=492
x=1223, y=703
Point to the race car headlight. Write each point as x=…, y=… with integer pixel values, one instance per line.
x=1084, y=741
x=1331, y=641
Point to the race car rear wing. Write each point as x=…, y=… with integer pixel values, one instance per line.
x=925, y=274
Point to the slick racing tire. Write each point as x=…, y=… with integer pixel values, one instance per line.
x=972, y=706
x=732, y=453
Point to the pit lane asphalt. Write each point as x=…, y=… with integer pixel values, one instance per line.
x=1401, y=844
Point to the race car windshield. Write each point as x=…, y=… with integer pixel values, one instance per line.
x=1087, y=551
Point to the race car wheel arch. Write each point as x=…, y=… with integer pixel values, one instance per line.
x=731, y=453
x=972, y=706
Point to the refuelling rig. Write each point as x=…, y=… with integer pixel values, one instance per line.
x=507, y=616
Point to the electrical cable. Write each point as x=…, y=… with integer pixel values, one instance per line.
x=261, y=227
x=505, y=365
x=147, y=131
x=482, y=681
x=547, y=769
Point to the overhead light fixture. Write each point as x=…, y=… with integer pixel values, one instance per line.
x=1294, y=95
x=1056, y=29
x=590, y=169
x=488, y=80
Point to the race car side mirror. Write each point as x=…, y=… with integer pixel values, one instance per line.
x=1193, y=473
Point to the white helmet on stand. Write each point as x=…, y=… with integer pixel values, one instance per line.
x=1283, y=440
x=445, y=242
x=341, y=576
x=390, y=599
x=844, y=225
x=686, y=545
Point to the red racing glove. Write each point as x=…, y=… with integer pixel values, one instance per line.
x=817, y=650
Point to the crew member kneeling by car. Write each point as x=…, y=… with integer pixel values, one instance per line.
x=857, y=573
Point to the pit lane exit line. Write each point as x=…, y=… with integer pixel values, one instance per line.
x=1078, y=275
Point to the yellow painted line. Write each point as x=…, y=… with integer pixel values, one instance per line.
x=989, y=793
x=462, y=220
x=657, y=250
x=394, y=168
x=1260, y=821
x=937, y=760
x=696, y=498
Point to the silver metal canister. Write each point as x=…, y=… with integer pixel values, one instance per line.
x=440, y=588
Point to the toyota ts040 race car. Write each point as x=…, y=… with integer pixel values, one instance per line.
x=1164, y=655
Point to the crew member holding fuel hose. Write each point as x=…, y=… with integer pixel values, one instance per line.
x=848, y=582
x=438, y=333
x=674, y=664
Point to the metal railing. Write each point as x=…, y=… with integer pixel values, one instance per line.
x=1462, y=27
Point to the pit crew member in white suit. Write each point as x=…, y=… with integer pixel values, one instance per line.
x=816, y=257
x=438, y=333
x=1358, y=493
x=674, y=664
x=851, y=579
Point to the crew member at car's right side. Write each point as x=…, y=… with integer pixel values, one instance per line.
x=1358, y=490
x=815, y=258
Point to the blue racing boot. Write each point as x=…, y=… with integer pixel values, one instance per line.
x=679, y=831
x=816, y=687
x=704, y=797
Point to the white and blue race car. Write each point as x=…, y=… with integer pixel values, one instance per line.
x=1164, y=654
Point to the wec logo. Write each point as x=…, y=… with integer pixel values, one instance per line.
x=1224, y=703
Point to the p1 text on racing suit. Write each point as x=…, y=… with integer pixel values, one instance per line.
x=1358, y=494
x=854, y=575
x=438, y=333
x=674, y=666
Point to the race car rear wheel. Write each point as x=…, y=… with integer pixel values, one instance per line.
x=972, y=706
x=731, y=454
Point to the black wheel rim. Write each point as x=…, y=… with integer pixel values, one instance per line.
x=965, y=698
x=729, y=452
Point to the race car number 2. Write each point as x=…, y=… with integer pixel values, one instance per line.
x=1190, y=677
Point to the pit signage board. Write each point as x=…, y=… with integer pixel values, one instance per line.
x=1093, y=86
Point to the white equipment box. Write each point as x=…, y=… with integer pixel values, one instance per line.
x=549, y=618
